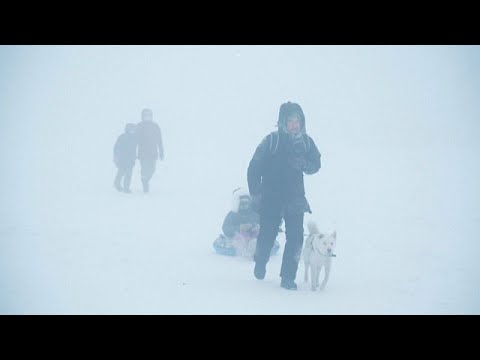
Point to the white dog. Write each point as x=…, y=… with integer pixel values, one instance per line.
x=318, y=252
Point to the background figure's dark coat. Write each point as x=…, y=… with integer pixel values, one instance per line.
x=125, y=150
x=149, y=137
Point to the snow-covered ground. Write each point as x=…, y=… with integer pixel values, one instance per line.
x=397, y=126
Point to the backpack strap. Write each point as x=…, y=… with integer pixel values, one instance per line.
x=274, y=141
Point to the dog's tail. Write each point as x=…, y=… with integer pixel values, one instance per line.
x=312, y=227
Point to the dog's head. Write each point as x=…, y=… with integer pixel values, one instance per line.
x=324, y=244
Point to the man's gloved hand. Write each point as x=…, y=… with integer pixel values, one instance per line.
x=297, y=162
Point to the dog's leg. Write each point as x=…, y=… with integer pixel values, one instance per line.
x=307, y=265
x=314, y=271
x=317, y=275
x=327, y=274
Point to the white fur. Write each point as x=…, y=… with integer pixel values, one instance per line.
x=317, y=254
x=244, y=247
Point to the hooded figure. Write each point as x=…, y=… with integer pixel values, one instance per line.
x=275, y=181
x=124, y=154
x=240, y=228
x=150, y=146
x=242, y=219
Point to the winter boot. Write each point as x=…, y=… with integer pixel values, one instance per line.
x=260, y=270
x=288, y=284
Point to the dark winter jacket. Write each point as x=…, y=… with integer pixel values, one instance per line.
x=125, y=150
x=275, y=172
x=150, y=145
x=233, y=220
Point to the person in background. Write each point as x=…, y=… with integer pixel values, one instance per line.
x=150, y=147
x=124, y=156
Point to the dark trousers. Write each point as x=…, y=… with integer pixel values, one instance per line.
x=270, y=219
x=147, y=169
x=124, y=172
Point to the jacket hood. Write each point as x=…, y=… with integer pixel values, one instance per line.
x=238, y=194
x=287, y=109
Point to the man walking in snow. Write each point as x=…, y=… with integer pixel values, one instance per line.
x=275, y=181
x=150, y=147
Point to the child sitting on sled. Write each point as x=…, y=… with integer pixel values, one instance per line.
x=240, y=228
